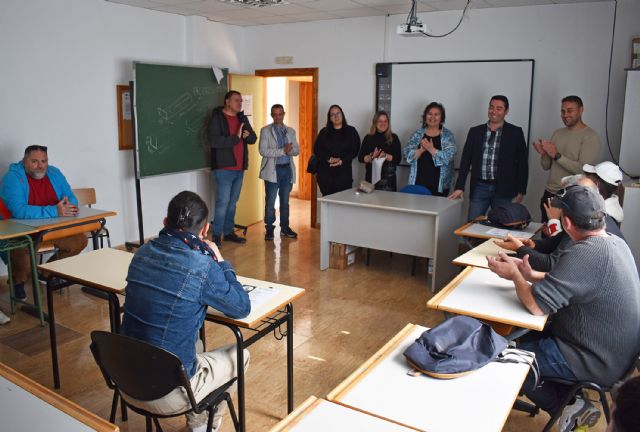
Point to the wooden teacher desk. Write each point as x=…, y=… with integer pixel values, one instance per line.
x=415, y=225
x=381, y=387
x=482, y=294
x=106, y=270
x=28, y=407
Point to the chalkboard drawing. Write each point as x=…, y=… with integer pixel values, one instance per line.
x=203, y=91
x=151, y=143
x=193, y=123
x=177, y=108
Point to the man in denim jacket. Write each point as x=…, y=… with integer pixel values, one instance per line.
x=171, y=282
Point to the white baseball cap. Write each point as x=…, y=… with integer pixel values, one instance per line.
x=607, y=171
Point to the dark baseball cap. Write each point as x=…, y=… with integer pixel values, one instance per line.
x=582, y=204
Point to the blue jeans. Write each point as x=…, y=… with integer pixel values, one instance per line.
x=484, y=195
x=282, y=188
x=552, y=364
x=228, y=187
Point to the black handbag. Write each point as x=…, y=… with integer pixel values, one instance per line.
x=312, y=165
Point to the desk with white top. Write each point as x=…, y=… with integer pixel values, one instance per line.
x=319, y=415
x=478, y=230
x=103, y=269
x=106, y=270
x=477, y=257
x=275, y=309
x=382, y=388
x=415, y=225
x=482, y=294
x=28, y=407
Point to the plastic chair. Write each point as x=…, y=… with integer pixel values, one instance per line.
x=146, y=372
x=87, y=196
x=575, y=388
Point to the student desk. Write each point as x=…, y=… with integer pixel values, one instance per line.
x=88, y=220
x=106, y=270
x=319, y=415
x=102, y=269
x=14, y=235
x=415, y=225
x=482, y=294
x=266, y=316
x=382, y=388
x=28, y=407
x=477, y=257
x=477, y=230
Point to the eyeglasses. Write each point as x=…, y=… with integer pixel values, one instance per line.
x=335, y=114
x=35, y=148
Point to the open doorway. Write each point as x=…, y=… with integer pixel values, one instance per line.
x=297, y=90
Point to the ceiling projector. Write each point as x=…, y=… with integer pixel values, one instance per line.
x=415, y=29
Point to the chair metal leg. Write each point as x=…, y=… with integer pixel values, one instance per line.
x=210, y=410
x=157, y=423
x=413, y=266
x=148, y=424
x=114, y=406
x=232, y=411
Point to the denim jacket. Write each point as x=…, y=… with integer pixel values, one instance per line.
x=169, y=287
x=443, y=158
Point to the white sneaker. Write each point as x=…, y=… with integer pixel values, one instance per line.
x=203, y=427
x=4, y=319
x=581, y=413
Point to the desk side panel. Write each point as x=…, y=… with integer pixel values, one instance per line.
x=388, y=230
x=446, y=247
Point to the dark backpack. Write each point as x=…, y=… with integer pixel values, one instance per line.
x=455, y=347
x=512, y=215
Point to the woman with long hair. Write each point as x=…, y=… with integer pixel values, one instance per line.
x=430, y=151
x=335, y=147
x=381, y=143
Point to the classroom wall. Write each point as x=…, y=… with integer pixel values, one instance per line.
x=60, y=62
x=570, y=44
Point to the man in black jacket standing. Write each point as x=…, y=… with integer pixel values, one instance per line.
x=229, y=133
x=496, y=155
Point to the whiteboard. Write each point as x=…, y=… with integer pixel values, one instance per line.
x=464, y=88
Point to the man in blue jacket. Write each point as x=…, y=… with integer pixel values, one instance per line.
x=33, y=189
x=496, y=155
x=171, y=282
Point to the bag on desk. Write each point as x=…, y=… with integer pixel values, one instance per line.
x=512, y=215
x=455, y=348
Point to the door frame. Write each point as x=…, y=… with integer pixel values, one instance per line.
x=313, y=72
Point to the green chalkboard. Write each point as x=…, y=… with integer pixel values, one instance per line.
x=172, y=105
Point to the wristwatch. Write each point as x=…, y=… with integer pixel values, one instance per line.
x=557, y=156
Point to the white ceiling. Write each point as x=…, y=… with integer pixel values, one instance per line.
x=313, y=10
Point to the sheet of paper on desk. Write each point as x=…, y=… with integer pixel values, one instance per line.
x=499, y=232
x=260, y=295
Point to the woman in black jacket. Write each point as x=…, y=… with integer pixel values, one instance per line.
x=335, y=147
x=381, y=143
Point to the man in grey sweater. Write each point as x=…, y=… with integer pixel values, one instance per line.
x=593, y=293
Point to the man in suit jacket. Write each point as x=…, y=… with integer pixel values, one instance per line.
x=496, y=155
x=278, y=146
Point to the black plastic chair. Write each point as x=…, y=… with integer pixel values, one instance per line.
x=575, y=388
x=146, y=372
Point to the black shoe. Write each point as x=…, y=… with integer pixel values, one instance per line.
x=217, y=239
x=18, y=291
x=269, y=234
x=288, y=232
x=235, y=238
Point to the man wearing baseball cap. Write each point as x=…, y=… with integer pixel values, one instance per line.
x=593, y=295
x=608, y=177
